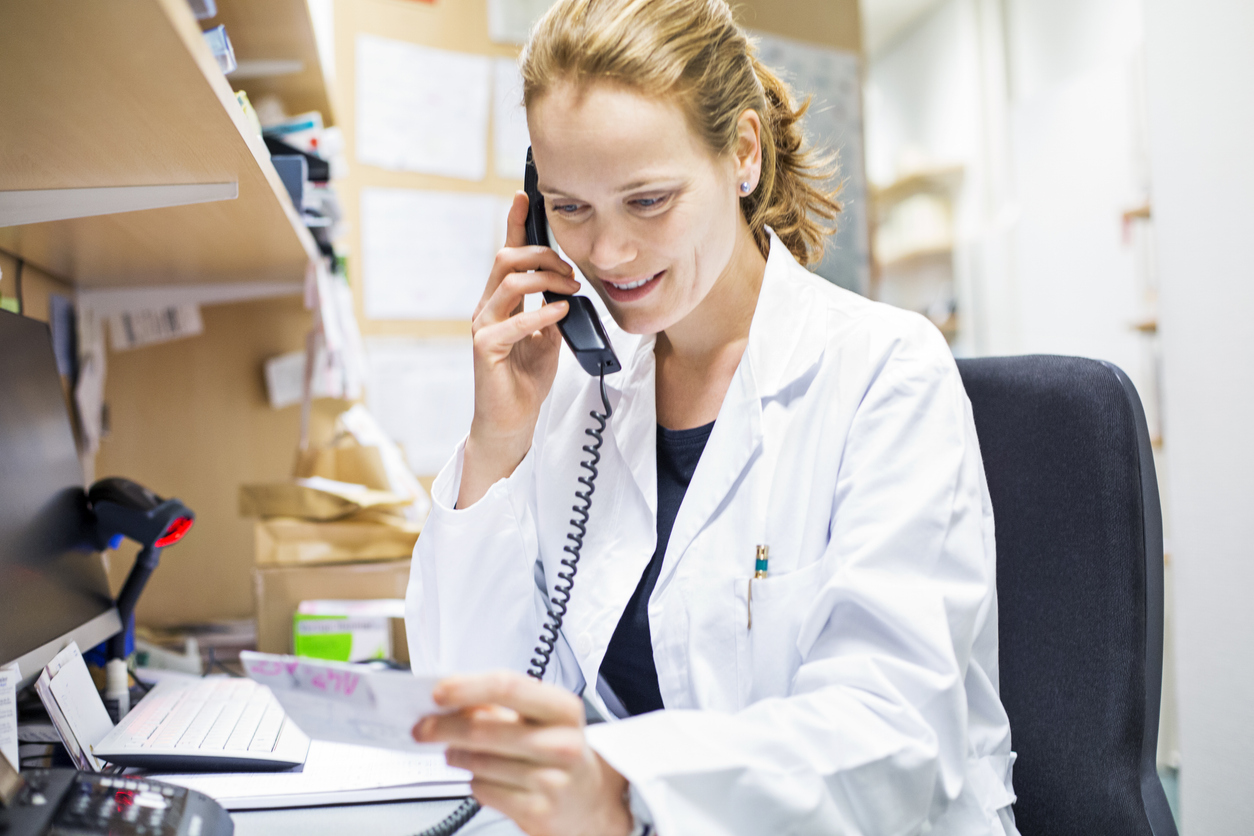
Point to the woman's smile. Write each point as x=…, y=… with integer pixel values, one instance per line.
x=630, y=289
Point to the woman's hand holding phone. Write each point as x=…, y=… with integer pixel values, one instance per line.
x=515, y=355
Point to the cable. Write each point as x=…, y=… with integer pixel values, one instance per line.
x=560, y=599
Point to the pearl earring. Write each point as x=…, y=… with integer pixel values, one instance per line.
x=745, y=187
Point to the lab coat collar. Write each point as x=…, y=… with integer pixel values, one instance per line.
x=789, y=327
x=786, y=338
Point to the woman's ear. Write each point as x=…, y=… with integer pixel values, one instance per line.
x=748, y=152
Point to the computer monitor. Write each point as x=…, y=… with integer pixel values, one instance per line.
x=53, y=589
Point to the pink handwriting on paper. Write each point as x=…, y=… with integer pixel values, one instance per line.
x=272, y=667
x=330, y=681
x=335, y=682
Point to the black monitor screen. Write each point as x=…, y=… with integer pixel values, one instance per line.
x=50, y=587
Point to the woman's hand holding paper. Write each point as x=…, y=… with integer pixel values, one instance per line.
x=524, y=741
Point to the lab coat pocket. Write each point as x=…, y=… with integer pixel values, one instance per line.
x=771, y=613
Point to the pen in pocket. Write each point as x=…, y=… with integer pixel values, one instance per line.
x=761, y=564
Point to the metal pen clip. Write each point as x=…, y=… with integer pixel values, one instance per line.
x=761, y=564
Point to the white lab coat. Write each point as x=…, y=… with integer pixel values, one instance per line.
x=863, y=700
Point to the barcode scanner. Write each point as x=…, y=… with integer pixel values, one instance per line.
x=120, y=509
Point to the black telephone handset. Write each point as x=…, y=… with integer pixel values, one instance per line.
x=581, y=327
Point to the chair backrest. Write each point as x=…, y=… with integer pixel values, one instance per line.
x=1080, y=596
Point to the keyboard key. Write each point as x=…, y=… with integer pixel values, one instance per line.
x=242, y=735
x=225, y=723
x=201, y=726
x=268, y=731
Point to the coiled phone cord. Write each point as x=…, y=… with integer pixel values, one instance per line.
x=560, y=599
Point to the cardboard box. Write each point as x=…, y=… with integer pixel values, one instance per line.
x=345, y=461
x=346, y=631
x=280, y=589
x=284, y=541
x=315, y=499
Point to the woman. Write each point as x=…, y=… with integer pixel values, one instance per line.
x=853, y=689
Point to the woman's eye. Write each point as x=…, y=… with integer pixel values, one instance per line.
x=565, y=208
x=649, y=202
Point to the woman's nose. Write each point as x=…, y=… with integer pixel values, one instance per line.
x=611, y=248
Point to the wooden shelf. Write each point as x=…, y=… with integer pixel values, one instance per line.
x=276, y=31
x=937, y=180
x=126, y=93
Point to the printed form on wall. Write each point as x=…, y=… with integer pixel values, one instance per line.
x=833, y=123
x=509, y=120
x=422, y=109
x=426, y=255
x=422, y=391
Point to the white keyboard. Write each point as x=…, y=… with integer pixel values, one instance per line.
x=206, y=724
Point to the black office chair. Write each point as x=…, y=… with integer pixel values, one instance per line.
x=1080, y=591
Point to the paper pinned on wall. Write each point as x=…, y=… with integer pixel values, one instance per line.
x=510, y=21
x=509, y=120
x=149, y=326
x=833, y=123
x=422, y=392
x=422, y=109
x=426, y=255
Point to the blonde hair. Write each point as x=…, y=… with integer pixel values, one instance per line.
x=693, y=51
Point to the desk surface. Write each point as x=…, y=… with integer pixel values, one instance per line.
x=396, y=818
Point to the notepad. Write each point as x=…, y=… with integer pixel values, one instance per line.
x=334, y=773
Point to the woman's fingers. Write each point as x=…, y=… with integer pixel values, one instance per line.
x=516, y=223
x=501, y=336
x=509, y=772
x=536, y=701
x=509, y=294
x=521, y=259
x=470, y=731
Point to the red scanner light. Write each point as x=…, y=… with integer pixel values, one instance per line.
x=174, y=532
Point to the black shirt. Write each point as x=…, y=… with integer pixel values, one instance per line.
x=628, y=665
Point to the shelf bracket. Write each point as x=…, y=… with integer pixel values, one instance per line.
x=39, y=205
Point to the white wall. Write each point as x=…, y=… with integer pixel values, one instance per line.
x=1077, y=165
x=1200, y=69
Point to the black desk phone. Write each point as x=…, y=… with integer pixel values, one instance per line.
x=62, y=802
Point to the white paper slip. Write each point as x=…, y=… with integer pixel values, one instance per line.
x=9, y=677
x=334, y=773
x=347, y=703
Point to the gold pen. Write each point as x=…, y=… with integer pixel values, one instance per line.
x=761, y=563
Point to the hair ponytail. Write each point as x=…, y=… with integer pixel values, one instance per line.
x=791, y=197
x=693, y=50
